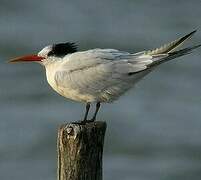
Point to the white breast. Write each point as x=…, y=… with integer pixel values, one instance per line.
x=67, y=91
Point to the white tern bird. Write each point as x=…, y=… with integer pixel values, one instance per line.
x=100, y=75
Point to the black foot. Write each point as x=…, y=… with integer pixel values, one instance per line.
x=91, y=120
x=83, y=122
x=80, y=122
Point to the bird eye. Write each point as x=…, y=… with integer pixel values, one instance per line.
x=51, y=53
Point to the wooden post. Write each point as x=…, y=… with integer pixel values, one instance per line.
x=80, y=151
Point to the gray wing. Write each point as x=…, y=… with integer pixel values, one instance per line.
x=103, y=75
x=112, y=71
x=99, y=69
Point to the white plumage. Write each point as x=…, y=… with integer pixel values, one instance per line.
x=100, y=75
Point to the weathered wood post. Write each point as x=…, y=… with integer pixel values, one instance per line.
x=80, y=151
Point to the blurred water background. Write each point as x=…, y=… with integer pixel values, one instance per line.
x=153, y=131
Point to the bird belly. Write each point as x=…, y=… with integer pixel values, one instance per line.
x=75, y=95
x=108, y=91
x=72, y=94
x=107, y=95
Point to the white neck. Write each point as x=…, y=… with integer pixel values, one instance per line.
x=50, y=60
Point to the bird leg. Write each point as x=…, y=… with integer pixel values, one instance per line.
x=86, y=113
x=97, y=108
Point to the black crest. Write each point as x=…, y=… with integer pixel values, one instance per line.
x=63, y=49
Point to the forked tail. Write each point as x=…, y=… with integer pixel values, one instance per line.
x=167, y=52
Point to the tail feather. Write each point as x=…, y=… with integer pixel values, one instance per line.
x=175, y=54
x=184, y=51
x=170, y=47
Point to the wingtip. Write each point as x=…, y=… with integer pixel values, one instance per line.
x=191, y=33
x=186, y=50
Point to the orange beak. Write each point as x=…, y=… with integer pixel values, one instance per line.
x=27, y=58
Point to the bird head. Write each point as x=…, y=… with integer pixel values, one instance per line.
x=49, y=52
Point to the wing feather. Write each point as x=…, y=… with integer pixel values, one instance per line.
x=103, y=71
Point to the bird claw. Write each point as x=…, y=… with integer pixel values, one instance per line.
x=91, y=120
x=80, y=122
x=84, y=122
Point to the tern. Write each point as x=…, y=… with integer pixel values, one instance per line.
x=100, y=75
